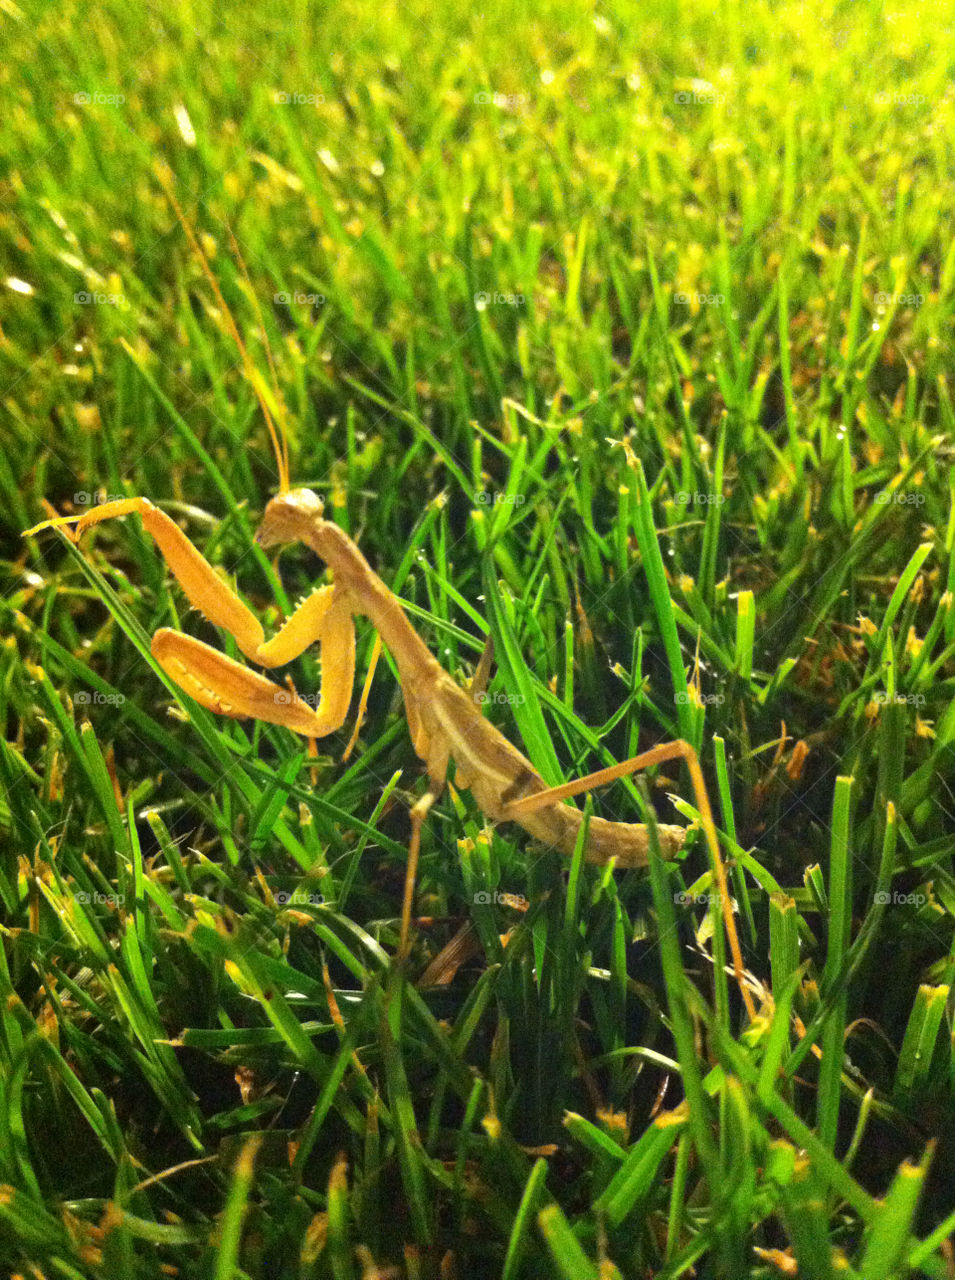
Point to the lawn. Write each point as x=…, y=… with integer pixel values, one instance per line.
x=621, y=336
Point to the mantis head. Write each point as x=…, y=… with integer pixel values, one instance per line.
x=289, y=516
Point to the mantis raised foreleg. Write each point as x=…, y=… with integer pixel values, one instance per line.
x=214, y=680
x=443, y=719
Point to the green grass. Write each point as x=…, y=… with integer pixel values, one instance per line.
x=509, y=238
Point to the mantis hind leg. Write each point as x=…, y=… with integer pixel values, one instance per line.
x=678, y=750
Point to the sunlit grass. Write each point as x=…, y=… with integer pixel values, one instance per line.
x=481, y=248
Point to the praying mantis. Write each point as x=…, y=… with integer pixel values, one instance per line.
x=444, y=721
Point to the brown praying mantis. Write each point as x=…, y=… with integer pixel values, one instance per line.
x=445, y=721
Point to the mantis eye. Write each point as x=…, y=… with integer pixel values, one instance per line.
x=308, y=502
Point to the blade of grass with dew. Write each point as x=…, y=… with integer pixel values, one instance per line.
x=641, y=515
x=840, y=920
